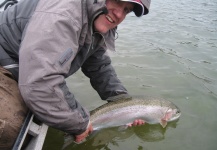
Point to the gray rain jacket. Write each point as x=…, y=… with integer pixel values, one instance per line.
x=51, y=40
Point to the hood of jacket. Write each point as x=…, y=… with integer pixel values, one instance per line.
x=95, y=8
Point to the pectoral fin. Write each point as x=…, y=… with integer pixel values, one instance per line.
x=163, y=123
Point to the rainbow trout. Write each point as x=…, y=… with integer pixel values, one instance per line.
x=123, y=112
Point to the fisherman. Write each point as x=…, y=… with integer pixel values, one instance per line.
x=42, y=42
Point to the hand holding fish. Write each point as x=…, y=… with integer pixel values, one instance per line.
x=81, y=137
x=136, y=123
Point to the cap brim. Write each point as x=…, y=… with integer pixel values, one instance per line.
x=138, y=9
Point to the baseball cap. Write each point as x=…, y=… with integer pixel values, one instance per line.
x=141, y=6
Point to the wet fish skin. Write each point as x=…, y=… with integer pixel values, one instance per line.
x=123, y=112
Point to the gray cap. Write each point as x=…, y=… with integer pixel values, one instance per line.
x=141, y=6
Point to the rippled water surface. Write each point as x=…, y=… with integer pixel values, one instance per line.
x=170, y=53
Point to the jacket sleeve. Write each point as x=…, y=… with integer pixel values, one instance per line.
x=49, y=46
x=103, y=77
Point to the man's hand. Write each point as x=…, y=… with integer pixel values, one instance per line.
x=81, y=137
x=136, y=123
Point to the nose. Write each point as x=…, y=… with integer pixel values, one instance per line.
x=119, y=12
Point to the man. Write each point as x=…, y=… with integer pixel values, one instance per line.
x=51, y=40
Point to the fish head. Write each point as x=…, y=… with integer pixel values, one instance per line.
x=172, y=114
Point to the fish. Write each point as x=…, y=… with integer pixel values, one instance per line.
x=123, y=112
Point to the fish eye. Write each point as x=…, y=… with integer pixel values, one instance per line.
x=178, y=111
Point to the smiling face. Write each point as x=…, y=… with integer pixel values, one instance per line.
x=117, y=11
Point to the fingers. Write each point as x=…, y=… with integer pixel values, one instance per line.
x=137, y=123
x=81, y=137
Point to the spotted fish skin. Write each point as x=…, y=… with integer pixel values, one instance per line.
x=123, y=112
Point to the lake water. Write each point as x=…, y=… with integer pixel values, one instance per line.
x=170, y=53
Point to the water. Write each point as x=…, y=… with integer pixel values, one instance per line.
x=170, y=53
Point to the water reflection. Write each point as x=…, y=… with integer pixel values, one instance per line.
x=112, y=136
x=153, y=133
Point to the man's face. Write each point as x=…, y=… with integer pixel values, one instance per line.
x=117, y=11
